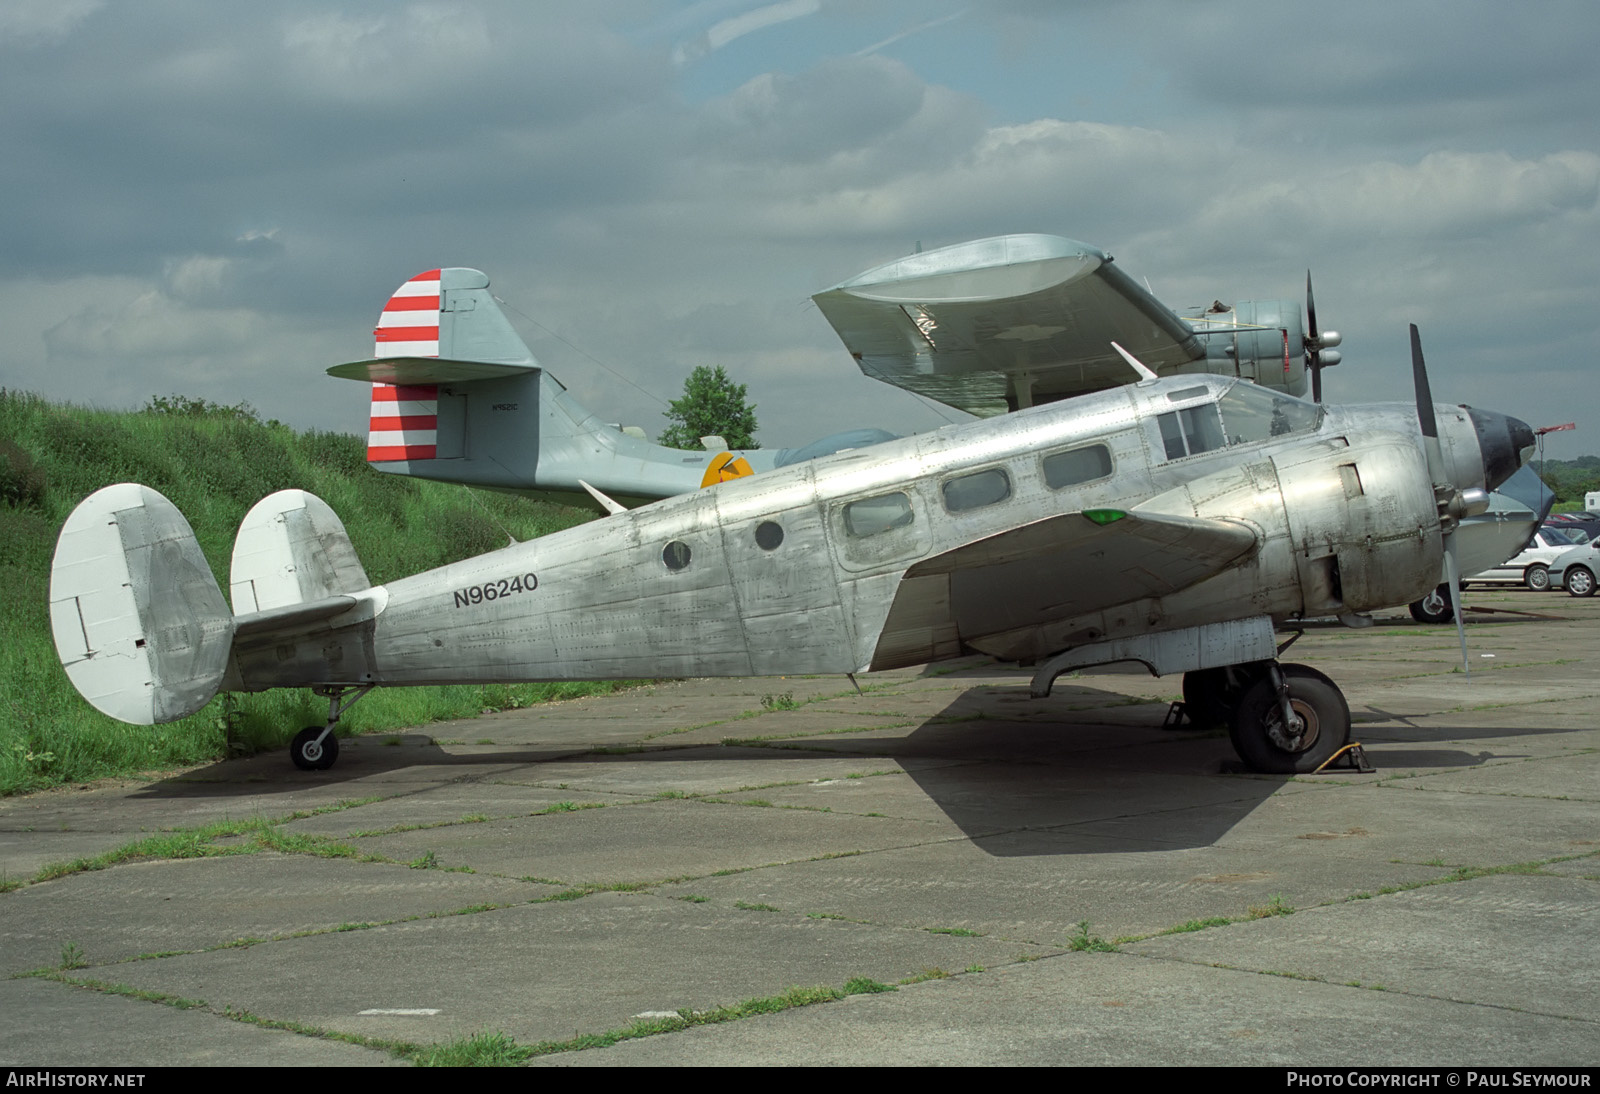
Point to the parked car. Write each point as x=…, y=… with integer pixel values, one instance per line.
x=1575, y=570
x=1588, y=523
x=1532, y=566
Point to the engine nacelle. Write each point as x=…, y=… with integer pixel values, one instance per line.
x=1260, y=340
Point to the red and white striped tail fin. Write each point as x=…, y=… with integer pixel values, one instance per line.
x=409, y=325
x=405, y=422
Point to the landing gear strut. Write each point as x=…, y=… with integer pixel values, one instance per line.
x=1282, y=719
x=315, y=748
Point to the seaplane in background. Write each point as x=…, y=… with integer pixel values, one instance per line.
x=987, y=327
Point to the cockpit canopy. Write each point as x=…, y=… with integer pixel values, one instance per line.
x=1245, y=414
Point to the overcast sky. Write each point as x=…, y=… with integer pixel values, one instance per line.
x=216, y=199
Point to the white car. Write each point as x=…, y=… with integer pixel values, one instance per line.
x=1532, y=566
x=1575, y=570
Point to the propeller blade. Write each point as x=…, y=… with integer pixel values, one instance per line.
x=1419, y=377
x=1452, y=574
x=1441, y=479
x=1313, y=355
x=1425, y=417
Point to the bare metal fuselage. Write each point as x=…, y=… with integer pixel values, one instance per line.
x=1342, y=518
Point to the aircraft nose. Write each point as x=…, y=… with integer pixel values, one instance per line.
x=1506, y=444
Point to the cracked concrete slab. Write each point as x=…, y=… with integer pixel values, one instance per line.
x=985, y=835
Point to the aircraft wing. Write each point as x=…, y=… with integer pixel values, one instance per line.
x=1007, y=322
x=995, y=594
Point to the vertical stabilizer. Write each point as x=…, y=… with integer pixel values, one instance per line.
x=458, y=397
x=139, y=622
x=446, y=313
x=292, y=549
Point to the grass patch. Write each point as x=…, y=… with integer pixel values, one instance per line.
x=479, y=1050
x=500, y=1050
x=862, y=985
x=1275, y=906
x=1198, y=925
x=1081, y=941
x=214, y=463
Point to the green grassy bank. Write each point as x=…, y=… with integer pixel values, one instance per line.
x=214, y=463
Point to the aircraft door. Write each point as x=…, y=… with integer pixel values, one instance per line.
x=784, y=583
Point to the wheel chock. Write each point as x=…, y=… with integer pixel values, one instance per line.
x=1352, y=757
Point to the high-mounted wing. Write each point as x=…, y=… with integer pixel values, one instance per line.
x=997, y=593
x=1008, y=322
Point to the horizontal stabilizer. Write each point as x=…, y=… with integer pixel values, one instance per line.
x=292, y=618
x=139, y=622
x=424, y=370
x=291, y=550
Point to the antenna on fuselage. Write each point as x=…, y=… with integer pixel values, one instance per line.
x=1138, y=366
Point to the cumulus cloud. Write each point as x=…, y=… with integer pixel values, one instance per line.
x=230, y=192
x=26, y=23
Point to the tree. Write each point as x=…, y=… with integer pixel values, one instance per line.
x=712, y=405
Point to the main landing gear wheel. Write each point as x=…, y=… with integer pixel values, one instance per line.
x=1435, y=607
x=1319, y=723
x=308, y=755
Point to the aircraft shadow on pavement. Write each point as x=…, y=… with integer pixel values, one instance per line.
x=1085, y=771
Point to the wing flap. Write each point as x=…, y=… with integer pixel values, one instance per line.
x=1051, y=570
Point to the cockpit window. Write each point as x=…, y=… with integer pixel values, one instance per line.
x=1252, y=413
x=1245, y=414
x=1191, y=431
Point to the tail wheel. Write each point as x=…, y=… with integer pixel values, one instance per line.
x=308, y=755
x=1319, y=724
x=1579, y=581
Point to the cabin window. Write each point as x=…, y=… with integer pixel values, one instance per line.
x=1191, y=431
x=769, y=534
x=1252, y=413
x=974, y=491
x=676, y=555
x=1077, y=465
x=870, y=516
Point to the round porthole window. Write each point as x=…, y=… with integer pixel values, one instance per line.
x=769, y=534
x=675, y=555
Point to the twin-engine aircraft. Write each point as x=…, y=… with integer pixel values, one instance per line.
x=987, y=327
x=1174, y=521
